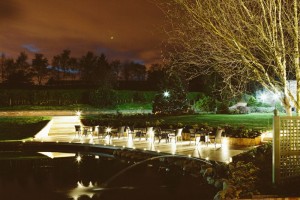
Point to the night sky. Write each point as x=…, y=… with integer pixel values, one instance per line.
x=121, y=29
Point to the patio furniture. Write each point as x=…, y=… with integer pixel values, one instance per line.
x=160, y=134
x=130, y=131
x=192, y=132
x=177, y=134
x=217, y=136
x=88, y=130
x=101, y=131
x=139, y=132
x=118, y=132
x=77, y=130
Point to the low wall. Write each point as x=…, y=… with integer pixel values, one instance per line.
x=234, y=141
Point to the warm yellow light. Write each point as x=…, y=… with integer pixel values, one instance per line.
x=108, y=130
x=78, y=113
x=78, y=158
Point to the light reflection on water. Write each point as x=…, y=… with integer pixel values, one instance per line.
x=64, y=178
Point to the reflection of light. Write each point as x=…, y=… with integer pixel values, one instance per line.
x=130, y=142
x=82, y=190
x=78, y=158
x=225, y=141
x=57, y=154
x=173, y=148
x=97, y=157
x=189, y=155
x=207, y=158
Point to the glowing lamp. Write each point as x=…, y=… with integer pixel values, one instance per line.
x=166, y=93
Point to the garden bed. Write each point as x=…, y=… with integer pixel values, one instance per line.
x=244, y=141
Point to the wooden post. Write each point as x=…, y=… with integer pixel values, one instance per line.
x=276, y=149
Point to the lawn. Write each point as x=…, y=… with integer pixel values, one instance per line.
x=253, y=120
x=16, y=128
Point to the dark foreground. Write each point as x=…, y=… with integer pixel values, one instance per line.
x=33, y=176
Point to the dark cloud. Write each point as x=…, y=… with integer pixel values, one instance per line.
x=128, y=29
x=8, y=9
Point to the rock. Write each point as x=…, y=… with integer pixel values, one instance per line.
x=208, y=172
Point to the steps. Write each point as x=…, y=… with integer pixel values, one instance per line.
x=63, y=125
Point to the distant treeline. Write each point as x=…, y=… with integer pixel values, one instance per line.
x=61, y=97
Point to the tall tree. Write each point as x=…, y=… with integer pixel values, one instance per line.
x=242, y=40
x=87, y=65
x=63, y=63
x=39, y=67
x=134, y=71
x=2, y=66
x=22, y=63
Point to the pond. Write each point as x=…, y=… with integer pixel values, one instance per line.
x=35, y=176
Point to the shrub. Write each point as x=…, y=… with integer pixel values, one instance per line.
x=103, y=97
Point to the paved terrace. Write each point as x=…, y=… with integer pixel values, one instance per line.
x=61, y=129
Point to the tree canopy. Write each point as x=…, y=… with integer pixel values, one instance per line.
x=242, y=40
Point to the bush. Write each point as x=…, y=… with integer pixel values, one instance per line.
x=205, y=104
x=240, y=110
x=103, y=97
x=223, y=108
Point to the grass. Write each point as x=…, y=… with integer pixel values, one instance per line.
x=253, y=120
x=135, y=106
x=17, y=128
x=65, y=107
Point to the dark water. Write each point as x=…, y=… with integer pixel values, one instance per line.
x=41, y=178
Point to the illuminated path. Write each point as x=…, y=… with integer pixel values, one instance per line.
x=61, y=129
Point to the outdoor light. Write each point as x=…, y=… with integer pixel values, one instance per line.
x=78, y=113
x=108, y=130
x=263, y=97
x=78, y=158
x=166, y=93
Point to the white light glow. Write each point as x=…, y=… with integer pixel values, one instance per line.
x=78, y=113
x=78, y=158
x=166, y=93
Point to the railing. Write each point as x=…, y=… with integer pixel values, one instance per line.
x=286, y=148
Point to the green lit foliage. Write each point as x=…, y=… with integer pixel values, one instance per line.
x=176, y=101
x=205, y=104
x=103, y=97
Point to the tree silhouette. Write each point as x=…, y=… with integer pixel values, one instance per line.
x=39, y=67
